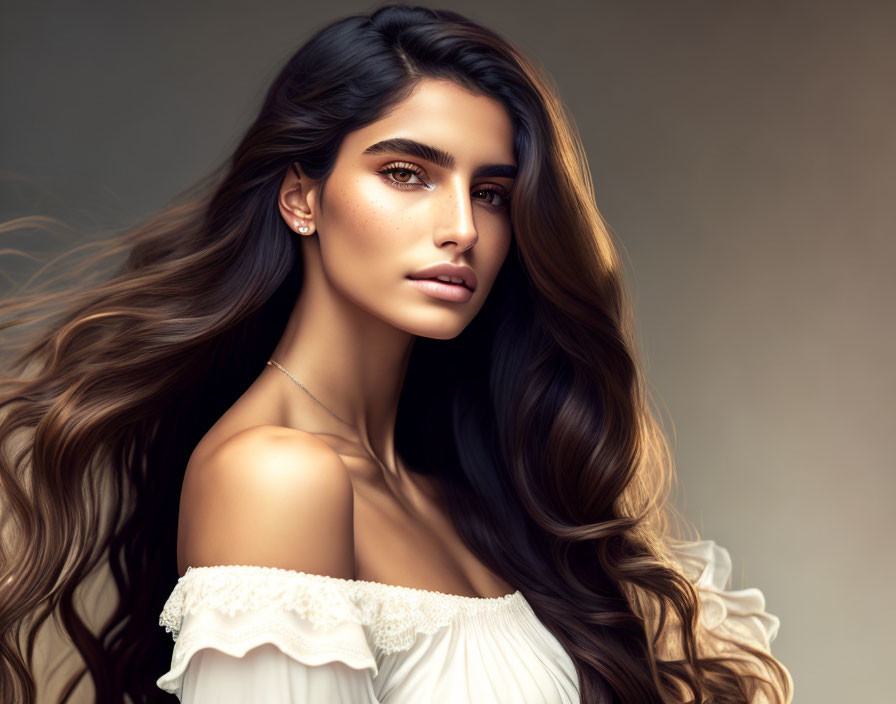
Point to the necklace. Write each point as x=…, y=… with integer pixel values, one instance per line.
x=271, y=362
x=372, y=456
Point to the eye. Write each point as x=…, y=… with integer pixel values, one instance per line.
x=400, y=175
x=503, y=197
x=402, y=171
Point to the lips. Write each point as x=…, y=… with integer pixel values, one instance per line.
x=450, y=283
x=453, y=271
x=446, y=291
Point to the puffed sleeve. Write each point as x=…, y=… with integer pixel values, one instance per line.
x=740, y=613
x=245, y=633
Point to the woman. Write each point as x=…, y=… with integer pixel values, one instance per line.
x=385, y=359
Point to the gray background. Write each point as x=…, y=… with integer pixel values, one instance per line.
x=743, y=153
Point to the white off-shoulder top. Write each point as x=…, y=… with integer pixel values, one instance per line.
x=263, y=634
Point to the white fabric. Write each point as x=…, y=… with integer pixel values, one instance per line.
x=738, y=613
x=246, y=633
x=266, y=674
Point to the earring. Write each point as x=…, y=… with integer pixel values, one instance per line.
x=303, y=229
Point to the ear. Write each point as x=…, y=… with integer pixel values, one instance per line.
x=295, y=200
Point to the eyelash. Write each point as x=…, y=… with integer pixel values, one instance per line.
x=385, y=171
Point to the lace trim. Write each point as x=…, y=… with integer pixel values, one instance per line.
x=394, y=614
x=740, y=612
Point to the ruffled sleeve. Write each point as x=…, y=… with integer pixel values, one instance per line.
x=247, y=633
x=738, y=614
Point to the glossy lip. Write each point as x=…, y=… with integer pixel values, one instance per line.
x=456, y=293
x=448, y=269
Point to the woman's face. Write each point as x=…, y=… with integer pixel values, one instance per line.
x=427, y=184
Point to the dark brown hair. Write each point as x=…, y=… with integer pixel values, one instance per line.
x=551, y=459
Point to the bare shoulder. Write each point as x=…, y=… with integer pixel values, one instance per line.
x=269, y=496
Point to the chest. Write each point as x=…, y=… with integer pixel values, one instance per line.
x=411, y=541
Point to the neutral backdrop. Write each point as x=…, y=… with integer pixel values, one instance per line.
x=743, y=153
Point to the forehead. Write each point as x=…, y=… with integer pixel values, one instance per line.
x=476, y=129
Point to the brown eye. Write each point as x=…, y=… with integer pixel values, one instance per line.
x=503, y=198
x=400, y=176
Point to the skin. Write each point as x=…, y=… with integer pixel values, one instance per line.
x=352, y=330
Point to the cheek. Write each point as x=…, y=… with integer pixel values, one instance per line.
x=357, y=219
x=498, y=246
x=362, y=234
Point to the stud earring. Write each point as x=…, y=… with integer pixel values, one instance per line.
x=303, y=228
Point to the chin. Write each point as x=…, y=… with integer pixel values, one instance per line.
x=443, y=329
x=436, y=320
x=436, y=332
x=445, y=336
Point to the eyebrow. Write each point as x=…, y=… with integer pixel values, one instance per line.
x=411, y=147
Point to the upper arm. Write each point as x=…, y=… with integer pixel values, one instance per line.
x=268, y=496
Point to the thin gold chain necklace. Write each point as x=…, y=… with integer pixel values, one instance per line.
x=372, y=456
x=272, y=363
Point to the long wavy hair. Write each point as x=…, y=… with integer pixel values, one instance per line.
x=553, y=463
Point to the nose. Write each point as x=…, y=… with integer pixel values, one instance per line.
x=456, y=222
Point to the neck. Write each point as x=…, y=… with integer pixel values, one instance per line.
x=354, y=363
